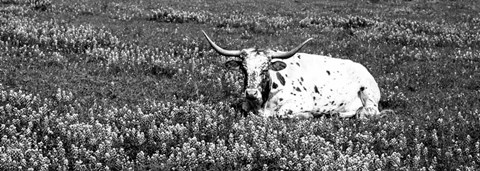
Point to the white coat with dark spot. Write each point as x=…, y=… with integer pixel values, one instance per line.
x=299, y=85
x=321, y=85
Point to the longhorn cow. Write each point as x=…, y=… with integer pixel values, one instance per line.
x=300, y=85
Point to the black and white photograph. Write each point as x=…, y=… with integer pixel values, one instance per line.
x=247, y=85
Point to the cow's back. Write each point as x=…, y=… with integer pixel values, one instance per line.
x=319, y=84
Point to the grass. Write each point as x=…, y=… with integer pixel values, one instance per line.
x=122, y=85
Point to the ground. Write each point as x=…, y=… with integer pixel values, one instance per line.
x=117, y=84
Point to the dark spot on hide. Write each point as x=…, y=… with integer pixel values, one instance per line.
x=299, y=57
x=274, y=85
x=362, y=88
x=280, y=78
x=305, y=88
x=297, y=63
x=298, y=89
x=316, y=90
x=266, y=90
x=281, y=99
x=341, y=104
x=332, y=102
x=328, y=72
x=301, y=78
x=314, y=98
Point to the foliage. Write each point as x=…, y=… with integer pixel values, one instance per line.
x=131, y=85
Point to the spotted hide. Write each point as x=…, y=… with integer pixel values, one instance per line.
x=300, y=85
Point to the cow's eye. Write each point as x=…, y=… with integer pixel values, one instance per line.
x=264, y=72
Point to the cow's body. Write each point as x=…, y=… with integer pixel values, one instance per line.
x=315, y=85
x=299, y=85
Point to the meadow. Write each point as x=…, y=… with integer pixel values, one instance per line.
x=134, y=85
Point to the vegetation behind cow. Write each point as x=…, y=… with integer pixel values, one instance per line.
x=133, y=85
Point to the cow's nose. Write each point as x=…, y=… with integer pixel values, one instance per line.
x=251, y=93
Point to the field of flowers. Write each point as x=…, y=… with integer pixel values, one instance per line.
x=133, y=85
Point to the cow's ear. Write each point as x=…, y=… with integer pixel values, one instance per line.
x=278, y=66
x=233, y=64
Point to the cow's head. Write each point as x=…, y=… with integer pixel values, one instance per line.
x=255, y=64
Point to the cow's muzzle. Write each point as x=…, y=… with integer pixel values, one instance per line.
x=253, y=94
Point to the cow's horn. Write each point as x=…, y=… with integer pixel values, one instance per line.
x=286, y=55
x=220, y=50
